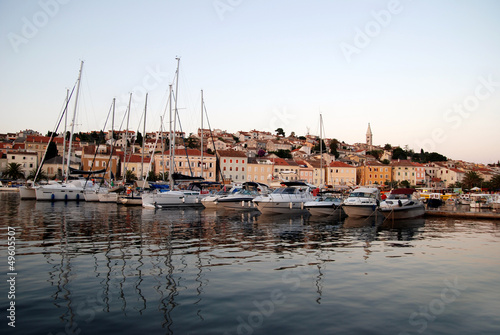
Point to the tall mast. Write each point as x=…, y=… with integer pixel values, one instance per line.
x=144, y=137
x=65, y=125
x=126, y=141
x=112, y=140
x=201, y=144
x=172, y=131
x=162, y=148
x=73, y=122
x=170, y=145
x=321, y=149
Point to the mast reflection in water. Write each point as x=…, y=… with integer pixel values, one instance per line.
x=85, y=268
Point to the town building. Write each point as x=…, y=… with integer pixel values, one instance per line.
x=187, y=162
x=373, y=173
x=340, y=174
x=27, y=160
x=233, y=165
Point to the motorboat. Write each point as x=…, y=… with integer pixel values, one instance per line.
x=362, y=202
x=159, y=198
x=326, y=205
x=212, y=200
x=434, y=200
x=481, y=200
x=495, y=204
x=243, y=199
x=288, y=199
x=402, y=204
x=181, y=198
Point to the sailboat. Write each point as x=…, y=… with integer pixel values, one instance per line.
x=68, y=189
x=135, y=198
x=28, y=191
x=174, y=198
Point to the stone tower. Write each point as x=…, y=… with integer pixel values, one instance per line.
x=369, y=138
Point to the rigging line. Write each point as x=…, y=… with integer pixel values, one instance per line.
x=217, y=165
x=55, y=130
x=97, y=149
x=184, y=143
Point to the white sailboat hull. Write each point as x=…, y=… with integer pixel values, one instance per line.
x=27, y=192
x=61, y=192
x=172, y=199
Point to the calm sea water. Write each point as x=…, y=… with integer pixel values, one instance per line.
x=85, y=268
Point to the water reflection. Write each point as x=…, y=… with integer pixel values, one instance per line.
x=179, y=268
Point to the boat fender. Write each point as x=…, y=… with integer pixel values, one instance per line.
x=77, y=197
x=242, y=203
x=52, y=197
x=291, y=205
x=400, y=204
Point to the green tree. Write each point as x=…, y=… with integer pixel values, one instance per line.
x=130, y=176
x=41, y=176
x=399, y=153
x=14, y=171
x=495, y=183
x=317, y=148
x=472, y=179
x=334, y=144
x=375, y=153
x=152, y=176
x=282, y=153
x=405, y=183
x=280, y=132
x=387, y=147
x=138, y=140
x=193, y=142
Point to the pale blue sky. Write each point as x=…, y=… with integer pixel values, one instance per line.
x=423, y=73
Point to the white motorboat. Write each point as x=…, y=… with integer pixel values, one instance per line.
x=362, y=202
x=402, y=204
x=212, y=200
x=289, y=199
x=243, y=199
x=181, y=198
x=481, y=200
x=495, y=204
x=325, y=205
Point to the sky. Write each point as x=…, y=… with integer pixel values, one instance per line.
x=424, y=74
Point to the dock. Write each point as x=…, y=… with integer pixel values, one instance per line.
x=462, y=215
